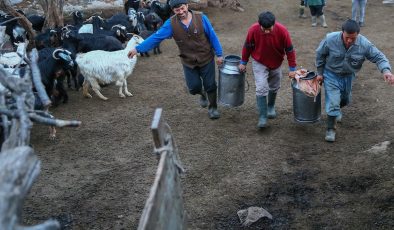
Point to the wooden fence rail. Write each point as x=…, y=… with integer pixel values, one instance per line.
x=164, y=207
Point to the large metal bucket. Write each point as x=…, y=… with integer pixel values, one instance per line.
x=231, y=82
x=306, y=109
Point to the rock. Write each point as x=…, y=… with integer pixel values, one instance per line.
x=379, y=148
x=252, y=215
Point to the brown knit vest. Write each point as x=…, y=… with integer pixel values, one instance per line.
x=194, y=47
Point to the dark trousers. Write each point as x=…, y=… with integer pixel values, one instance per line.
x=316, y=10
x=198, y=77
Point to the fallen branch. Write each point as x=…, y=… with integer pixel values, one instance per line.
x=40, y=118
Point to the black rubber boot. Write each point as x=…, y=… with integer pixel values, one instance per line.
x=271, y=113
x=213, y=112
x=203, y=99
x=302, y=12
x=262, y=108
x=330, y=133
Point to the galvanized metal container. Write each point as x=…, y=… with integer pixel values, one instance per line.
x=306, y=109
x=231, y=82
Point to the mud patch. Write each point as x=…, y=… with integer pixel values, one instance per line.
x=353, y=184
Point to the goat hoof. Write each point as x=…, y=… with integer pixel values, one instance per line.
x=122, y=95
x=87, y=96
x=129, y=94
x=104, y=98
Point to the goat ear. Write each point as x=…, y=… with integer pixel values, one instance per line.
x=62, y=55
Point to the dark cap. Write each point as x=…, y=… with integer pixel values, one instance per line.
x=174, y=3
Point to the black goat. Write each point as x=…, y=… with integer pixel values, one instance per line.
x=135, y=4
x=37, y=21
x=77, y=18
x=52, y=64
x=122, y=19
x=153, y=21
x=49, y=38
x=88, y=42
x=162, y=9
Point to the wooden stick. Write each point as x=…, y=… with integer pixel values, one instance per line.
x=36, y=76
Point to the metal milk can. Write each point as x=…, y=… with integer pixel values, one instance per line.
x=306, y=109
x=231, y=82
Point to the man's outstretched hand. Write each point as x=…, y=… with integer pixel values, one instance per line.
x=389, y=78
x=132, y=53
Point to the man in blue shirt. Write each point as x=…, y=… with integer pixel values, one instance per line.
x=339, y=56
x=196, y=40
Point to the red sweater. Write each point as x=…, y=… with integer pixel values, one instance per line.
x=269, y=49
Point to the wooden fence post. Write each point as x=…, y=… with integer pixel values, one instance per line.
x=19, y=168
x=164, y=207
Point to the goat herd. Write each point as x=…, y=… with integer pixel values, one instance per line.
x=92, y=51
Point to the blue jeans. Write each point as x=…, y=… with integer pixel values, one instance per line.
x=200, y=76
x=358, y=7
x=338, y=91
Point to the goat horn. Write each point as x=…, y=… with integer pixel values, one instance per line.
x=55, y=52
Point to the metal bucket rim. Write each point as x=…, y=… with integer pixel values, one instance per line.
x=232, y=58
x=311, y=75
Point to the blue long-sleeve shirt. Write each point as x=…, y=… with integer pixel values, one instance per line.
x=332, y=55
x=165, y=32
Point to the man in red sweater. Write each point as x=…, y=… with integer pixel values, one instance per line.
x=267, y=42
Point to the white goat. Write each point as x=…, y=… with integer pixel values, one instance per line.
x=106, y=67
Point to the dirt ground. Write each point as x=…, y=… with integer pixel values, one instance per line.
x=98, y=176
